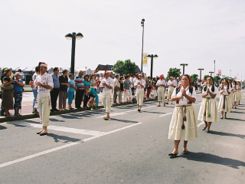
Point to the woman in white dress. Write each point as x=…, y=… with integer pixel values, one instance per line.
x=161, y=86
x=224, y=101
x=208, y=110
x=172, y=83
x=139, y=84
x=183, y=124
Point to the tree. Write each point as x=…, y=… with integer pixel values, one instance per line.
x=125, y=67
x=174, y=72
x=217, y=80
x=194, y=78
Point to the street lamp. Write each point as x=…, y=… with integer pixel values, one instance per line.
x=183, y=65
x=73, y=36
x=214, y=67
x=152, y=57
x=211, y=73
x=200, y=69
x=142, y=49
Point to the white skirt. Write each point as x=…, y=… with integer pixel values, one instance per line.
x=170, y=92
x=236, y=96
x=175, y=128
x=224, y=106
x=208, y=111
x=161, y=94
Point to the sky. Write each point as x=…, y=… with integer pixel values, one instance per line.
x=196, y=32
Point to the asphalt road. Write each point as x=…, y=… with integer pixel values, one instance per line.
x=132, y=148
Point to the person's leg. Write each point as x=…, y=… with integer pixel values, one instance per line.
x=60, y=99
x=206, y=125
x=45, y=115
x=77, y=99
x=209, y=126
x=115, y=96
x=176, y=147
x=185, y=146
x=64, y=100
x=56, y=94
x=52, y=96
x=97, y=100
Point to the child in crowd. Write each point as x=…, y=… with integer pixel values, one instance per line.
x=71, y=91
x=18, y=93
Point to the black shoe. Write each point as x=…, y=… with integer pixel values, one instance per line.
x=173, y=155
x=43, y=133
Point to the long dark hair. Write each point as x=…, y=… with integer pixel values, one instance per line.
x=213, y=87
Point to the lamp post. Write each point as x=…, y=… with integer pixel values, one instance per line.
x=183, y=65
x=73, y=36
x=214, y=67
x=142, y=48
x=200, y=69
x=152, y=57
x=211, y=73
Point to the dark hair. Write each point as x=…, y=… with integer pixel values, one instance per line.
x=64, y=71
x=55, y=69
x=189, y=78
x=37, y=69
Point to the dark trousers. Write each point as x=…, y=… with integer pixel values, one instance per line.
x=85, y=100
x=54, y=96
x=79, y=98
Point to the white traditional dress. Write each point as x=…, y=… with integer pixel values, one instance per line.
x=224, y=100
x=161, y=84
x=208, y=111
x=171, y=85
x=107, y=93
x=183, y=124
x=139, y=91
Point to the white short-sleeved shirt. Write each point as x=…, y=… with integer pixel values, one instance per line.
x=225, y=90
x=109, y=81
x=137, y=83
x=183, y=100
x=161, y=82
x=44, y=79
x=173, y=82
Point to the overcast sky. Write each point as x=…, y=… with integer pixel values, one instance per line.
x=189, y=31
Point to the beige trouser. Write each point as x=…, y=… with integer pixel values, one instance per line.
x=44, y=108
x=140, y=96
x=107, y=101
x=170, y=92
x=161, y=94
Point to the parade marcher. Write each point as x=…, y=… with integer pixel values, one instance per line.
x=183, y=124
x=235, y=94
x=223, y=106
x=172, y=83
x=18, y=93
x=239, y=92
x=208, y=110
x=161, y=86
x=44, y=83
x=55, y=91
x=63, y=90
x=140, y=86
x=107, y=83
x=7, y=92
x=127, y=89
x=71, y=91
x=116, y=89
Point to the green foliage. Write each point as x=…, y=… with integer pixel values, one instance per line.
x=194, y=78
x=217, y=79
x=125, y=67
x=174, y=72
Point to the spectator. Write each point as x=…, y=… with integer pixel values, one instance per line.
x=63, y=90
x=71, y=90
x=127, y=89
x=79, y=90
x=18, y=91
x=86, y=92
x=7, y=92
x=34, y=90
x=120, y=92
x=116, y=89
x=55, y=91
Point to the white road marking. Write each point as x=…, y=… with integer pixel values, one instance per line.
x=167, y=114
x=125, y=112
x=66, y=129
x=9, y=163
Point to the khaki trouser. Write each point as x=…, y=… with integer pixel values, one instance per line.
x=44, y=108
x=107, y=101
x=161, y=94
x=140, y=96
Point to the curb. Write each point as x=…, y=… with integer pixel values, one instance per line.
x=31, y=116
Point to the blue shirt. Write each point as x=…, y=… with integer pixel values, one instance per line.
x=56, y=81
x=71, y=83
x=17, y=87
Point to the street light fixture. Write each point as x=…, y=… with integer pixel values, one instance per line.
x=211, y=73
x=183, y=65
x=142, y=48
x=152, y=57
x=73, y=36
x=200, y=69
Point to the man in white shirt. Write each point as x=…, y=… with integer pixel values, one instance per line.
x=44, y=83
x=107, y=85
x=139, y=84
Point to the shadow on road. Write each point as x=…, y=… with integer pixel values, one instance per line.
x=62, y=138
x=238, y=112
x=124, y=121
x=235, y=119
x=214, y=159
x=2, y=127
x=227, y=134
x=153, y=112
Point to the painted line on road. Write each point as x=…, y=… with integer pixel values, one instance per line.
x=67, y=129
x=16, y=161
x=125, y=112
x=167, y=114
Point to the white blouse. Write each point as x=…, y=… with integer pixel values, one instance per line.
x=184, y=100
x=161, y=83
